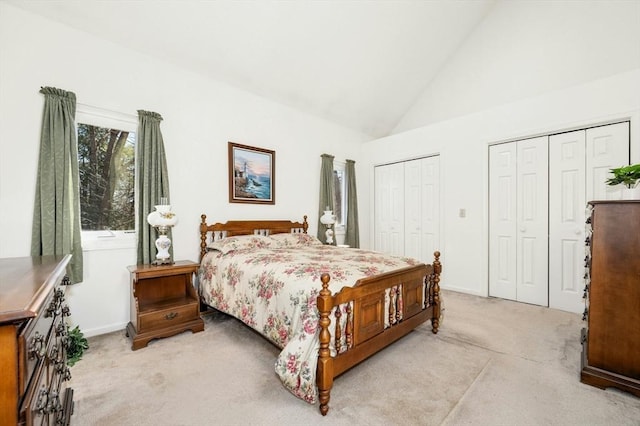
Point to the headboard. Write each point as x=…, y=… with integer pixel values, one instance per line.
x=247, y=227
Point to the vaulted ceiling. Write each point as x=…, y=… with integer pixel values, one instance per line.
x=361, y=64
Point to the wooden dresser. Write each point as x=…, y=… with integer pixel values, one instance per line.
x=611, y=340
x=33, y=333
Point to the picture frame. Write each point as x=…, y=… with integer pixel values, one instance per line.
x=252, y=174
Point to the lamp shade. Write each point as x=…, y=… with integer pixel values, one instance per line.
x=162, y=216
x=328, y=218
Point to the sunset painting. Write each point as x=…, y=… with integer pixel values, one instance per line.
x=251, y=174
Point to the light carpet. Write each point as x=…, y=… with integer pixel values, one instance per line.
x=494, y=362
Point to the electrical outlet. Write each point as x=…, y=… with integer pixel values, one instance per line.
x=463, y=213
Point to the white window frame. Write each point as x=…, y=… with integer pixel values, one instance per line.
x=108, y=239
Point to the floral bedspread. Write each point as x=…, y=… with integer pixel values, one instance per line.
x=271, y=283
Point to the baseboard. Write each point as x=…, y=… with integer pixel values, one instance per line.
x=462, y=290
x=90, y=332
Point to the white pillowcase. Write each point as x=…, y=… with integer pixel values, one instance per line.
x=242, y=242
x=286, y=240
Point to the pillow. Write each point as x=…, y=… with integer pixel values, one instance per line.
x=241, y=242
x=294, y=240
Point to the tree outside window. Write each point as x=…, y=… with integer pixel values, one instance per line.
x=106, y=159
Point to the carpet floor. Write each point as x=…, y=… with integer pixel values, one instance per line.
x=494, y=362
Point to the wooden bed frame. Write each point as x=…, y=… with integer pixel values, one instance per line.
x=365, y=331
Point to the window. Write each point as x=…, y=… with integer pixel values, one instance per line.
x=106, y=163
x=340, y=196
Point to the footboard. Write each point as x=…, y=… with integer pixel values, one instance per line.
x=371, y=315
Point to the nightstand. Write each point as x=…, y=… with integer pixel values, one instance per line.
x=164, y=302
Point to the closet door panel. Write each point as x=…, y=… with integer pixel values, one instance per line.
x=389, y=209
x=412, y=211
x=532, y=224
x=566, y=220
x=502, y=220
x=430, y=198
x=607, y=147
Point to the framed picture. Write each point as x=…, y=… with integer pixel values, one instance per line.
x=252, y=175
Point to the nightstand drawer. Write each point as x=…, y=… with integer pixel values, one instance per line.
x=167, y=317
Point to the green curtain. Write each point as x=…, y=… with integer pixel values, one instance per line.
x=352, y=232
x=56, y=213
x=152, y=181
x=326, y=193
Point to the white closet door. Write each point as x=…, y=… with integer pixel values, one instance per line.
x=566, y=220
x=579, y=166
x=532, y=221
x=430, y=208
x=422, y=208
x=607, y=147
x=502, y=220
x=389, y=209
x=412, y=211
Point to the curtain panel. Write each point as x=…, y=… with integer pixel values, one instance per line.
x=326, y=193
x=152, y=181
x=352, y=231
x=56, y=215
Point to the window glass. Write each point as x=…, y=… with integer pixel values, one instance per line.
x=106, y=162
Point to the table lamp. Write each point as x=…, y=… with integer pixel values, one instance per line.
x=328, y=219
x=163, y=219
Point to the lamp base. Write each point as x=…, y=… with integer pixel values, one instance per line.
x=163, y=243
x=160, y=262
x=329, y=236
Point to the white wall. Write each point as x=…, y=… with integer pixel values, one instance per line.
x=530, y=68
x=527, y=48
x=200, y=117
x=463, y=147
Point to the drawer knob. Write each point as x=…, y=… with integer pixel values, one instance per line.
x=59, y=294
x=52, y=310
x=65, y=374
x=36, y=346
x=171, y=316
x=53, y=353
x=41, y=403
x=62, y=370
x=61, y=330
x=54, y=403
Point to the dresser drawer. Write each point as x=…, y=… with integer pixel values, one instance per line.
x=33, y=342
x=169, y=316
x=34, y=409
x=44, y=398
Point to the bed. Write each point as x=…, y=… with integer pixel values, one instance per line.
x=328, y=308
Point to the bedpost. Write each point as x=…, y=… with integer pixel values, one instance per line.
x=437, y=269
x=305, y=224
x=324, y=374
x=203, y=235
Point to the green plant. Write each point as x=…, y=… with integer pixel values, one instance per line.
x=629, y=176
x=76, y=345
